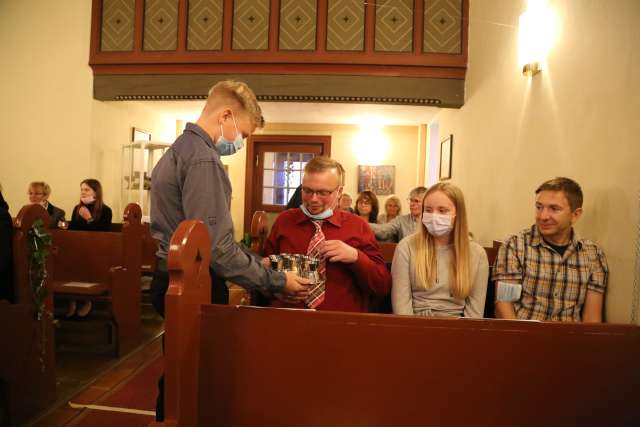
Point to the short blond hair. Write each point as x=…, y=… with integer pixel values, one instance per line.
x=36, y=185
x=239, y=93
x=323, y=163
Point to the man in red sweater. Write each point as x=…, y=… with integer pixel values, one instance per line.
x=352, y=262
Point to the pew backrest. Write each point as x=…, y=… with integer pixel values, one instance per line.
x=189, y=286
x=258, y=231
x=89, y=256
x=22, y=226
x=387, y=249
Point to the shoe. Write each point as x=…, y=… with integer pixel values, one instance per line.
x=71, y=310
x=84, y=310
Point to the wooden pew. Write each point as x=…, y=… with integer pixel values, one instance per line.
x=299, y=368
x=104, y=266
x=387, y=249
x=149, y=247
x=30, y=383
x=490, y=298
x=258, y=232
x=237, y=294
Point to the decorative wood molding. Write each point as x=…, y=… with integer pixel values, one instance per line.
x=225, y=49
x=293, y=88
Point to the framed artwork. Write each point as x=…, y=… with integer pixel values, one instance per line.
x=446, y=153
x=138, y=134
x=380, y=180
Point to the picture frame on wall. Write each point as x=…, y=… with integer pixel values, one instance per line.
x=138, y=134
x=378, y=179
x=446, y=157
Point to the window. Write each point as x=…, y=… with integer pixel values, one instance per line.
x=282, y=174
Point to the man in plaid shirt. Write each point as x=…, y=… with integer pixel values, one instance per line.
x=547, y=272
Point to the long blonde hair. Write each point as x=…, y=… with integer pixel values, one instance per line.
x=425, y=247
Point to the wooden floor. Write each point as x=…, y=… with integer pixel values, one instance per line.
x=89, y=378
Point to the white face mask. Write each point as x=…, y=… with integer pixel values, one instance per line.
x=322, y=215
x=226, y=147
x=87, y=200
x=438, y=225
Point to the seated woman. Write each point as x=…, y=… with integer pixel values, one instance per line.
x=367, y=206
x=39, y=192
x=439, y=271
x=91, y=214
x=392, y=209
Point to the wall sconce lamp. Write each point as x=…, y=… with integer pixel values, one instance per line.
x=536, y=34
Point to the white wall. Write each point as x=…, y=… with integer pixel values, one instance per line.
x=578, y=118
x=45, y=102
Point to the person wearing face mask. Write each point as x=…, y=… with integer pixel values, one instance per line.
x=189, y=182
x=439, y=271
x=350, y=260
x=39, y=192
x=91, y=214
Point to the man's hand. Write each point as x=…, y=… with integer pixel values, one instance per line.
x=266, y=263
x=296, y=287
x=84, y=213
x=338, y=251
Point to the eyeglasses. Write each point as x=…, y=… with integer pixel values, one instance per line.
x=321, y=193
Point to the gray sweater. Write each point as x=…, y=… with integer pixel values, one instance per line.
x=407, y=299
x=398, y=228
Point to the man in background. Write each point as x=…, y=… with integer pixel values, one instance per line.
x=403, y=225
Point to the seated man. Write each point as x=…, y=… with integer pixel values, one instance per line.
x=351, y=261
x=403, y=225
x=547, y=272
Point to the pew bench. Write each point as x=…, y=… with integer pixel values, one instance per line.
x=104, y=267
x=27, y=370
x=300, y=368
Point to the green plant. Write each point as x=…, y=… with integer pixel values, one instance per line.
x=39, y=244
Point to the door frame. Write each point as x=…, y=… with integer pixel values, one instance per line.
x=250, y=175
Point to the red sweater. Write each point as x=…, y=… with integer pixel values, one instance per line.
x=348, y=285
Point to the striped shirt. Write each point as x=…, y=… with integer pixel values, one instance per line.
x=554, y=287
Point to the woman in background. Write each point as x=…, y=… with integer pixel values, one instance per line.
x=367, y=206
x=392, y=209
x=91, y=214
x=39, y=192
x=439, y=271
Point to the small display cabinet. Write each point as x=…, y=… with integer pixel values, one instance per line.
x=138, y=159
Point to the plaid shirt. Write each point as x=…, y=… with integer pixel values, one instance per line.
x=554, y=287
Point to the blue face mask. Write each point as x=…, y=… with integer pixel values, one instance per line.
x=322, y=215
x=226, y=147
